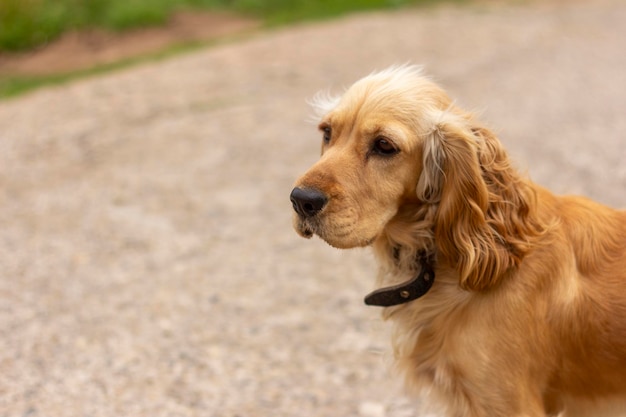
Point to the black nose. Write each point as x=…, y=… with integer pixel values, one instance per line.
x=307, y=202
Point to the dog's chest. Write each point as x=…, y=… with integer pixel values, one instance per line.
x=427, y=336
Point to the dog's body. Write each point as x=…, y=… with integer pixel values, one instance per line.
x=527, y=313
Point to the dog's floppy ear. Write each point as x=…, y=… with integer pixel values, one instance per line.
x=483, y=222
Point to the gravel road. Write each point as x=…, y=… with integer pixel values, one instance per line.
x=147, y=261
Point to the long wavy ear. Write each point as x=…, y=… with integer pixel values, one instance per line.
x=485, y=217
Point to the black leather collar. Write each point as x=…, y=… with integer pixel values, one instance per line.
x=407, y=291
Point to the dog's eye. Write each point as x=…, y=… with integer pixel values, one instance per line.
x=326, y=133
x=384, y=147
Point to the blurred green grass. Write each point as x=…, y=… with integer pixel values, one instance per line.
x=25, y=24
x=28, y=24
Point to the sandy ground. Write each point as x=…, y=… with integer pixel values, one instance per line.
x=147, y=261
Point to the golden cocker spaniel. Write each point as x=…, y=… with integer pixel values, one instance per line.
x=507, y=301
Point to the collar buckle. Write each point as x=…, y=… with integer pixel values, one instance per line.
x=406, y=291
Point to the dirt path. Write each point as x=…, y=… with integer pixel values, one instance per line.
x=147, y=261
x=87, y=49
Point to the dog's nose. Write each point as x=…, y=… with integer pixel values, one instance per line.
x=307, y=202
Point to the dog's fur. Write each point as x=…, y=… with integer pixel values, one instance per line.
x=527, y=314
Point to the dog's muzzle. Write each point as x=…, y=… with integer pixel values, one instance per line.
x=307, y=202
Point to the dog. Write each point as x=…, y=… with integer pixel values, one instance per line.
x=506, y=299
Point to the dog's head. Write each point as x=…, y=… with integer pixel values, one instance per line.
x=395, y=140
x=373, y=141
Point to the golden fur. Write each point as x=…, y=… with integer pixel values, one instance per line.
x=527, y=314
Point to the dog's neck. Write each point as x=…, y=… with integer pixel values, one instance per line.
x=405, y=249
x=409, y=233
x=407, y=291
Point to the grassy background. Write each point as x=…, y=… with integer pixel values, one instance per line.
x=26, y=24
